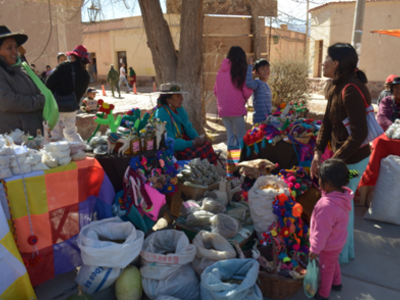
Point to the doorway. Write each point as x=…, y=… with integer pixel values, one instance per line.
x=320, y=53
x=122, y=60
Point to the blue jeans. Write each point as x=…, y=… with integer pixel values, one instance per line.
x=123, y=79
x=233, y=124
x=348, y=249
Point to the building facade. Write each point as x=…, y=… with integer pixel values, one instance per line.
x=333, y=22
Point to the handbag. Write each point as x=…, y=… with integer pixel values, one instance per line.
x=374, y=129
x=67, y=103
x=232, y=160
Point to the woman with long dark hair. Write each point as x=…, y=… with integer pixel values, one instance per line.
x=232, y=94
x=67, y=78
x=345, y=100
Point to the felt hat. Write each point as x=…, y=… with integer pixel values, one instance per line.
x=19, y=37
x=396, y=81
x=390, y=79
x=80, y=51
x=171, y=88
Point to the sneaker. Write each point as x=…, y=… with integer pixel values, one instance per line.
x=319, y=297
x=337, y=287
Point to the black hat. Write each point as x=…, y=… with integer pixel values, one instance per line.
x=91, y=90
x=396, y=81
x=20, y=38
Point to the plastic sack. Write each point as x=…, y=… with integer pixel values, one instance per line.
x=40, y=167
x=244, y=272
x=5, y=160
x=76, y=147
x=64, y=161
x=34, y=158
x=61, y=154
x=25, y=169
x=260, y=201
x=17, y=136
x=200, y=219
x=310, y=283
x=6, y=150
x=213, y=206
x=57, y=146
x=210, y=248
x=49, y=160
x=107, y=247
x=80, y=155
x=239, y=213
x=224, y=225
x=21, y=161
x=189, y=207
x=5, y=173
x=385, y=201
x=166, y=266
x=5, y=166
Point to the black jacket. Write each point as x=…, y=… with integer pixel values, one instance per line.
x=60, y=81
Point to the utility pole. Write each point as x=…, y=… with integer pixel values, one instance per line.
x=358, y=26
x=306, y=41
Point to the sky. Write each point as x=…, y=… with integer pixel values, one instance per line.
x=291, y=12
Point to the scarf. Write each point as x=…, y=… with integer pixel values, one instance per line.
x=50, y=109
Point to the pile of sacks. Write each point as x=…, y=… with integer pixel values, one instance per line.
x=17, y=160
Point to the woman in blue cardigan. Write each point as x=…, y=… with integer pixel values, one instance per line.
x=188, y=144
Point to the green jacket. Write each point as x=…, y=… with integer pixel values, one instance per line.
x=113, y=76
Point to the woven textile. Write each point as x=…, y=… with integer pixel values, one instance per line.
x=61, y=201
x=204, y=152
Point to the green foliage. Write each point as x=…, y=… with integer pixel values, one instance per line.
x=288, y=81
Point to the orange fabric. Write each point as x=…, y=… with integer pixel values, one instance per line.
x=395, y=32
x=62, y=189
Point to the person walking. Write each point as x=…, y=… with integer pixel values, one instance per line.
x=232, y=94
x=345, y=100
x=132, y=76
x=70, y=77
x=112, y=79
x=122, y=77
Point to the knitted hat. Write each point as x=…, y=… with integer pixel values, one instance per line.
x=390, y=79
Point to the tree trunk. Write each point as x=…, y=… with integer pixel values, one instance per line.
x=255, y=28
x=190, y=60
x=185, y=67
x=159, y=40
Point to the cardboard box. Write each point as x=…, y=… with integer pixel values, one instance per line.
x=184, y=193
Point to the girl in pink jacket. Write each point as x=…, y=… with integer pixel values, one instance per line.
x=328, y=229
x=232, y=94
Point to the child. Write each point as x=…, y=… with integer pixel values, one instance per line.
x=232, y=94
x=89, y=105
x=328, y=229
x=262, y=97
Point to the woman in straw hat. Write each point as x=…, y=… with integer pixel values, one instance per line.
x=188, y=144
x=21, y=102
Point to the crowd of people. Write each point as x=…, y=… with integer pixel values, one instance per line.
x=21, y=105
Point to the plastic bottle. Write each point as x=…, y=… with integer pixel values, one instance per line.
x=31, y=143
x=39, y=139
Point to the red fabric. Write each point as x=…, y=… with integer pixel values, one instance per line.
x=204, y=151
x=329, y=269
x=383, y=147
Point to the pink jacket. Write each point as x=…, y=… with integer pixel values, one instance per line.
x=230, y=100
x=328, y=229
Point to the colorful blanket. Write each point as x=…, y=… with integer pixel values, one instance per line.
x=61, y=201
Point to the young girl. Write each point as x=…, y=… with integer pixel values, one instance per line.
x=232, y=94
x=328, y=231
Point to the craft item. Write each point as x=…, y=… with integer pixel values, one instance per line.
x=143, y=140
x=108, y=119
x=135, y=143
x=113, y=139
x=160, y=129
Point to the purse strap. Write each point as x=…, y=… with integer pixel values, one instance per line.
x=73, y=77
x=365, y=101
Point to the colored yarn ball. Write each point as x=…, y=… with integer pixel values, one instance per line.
x=297, y=186
x=292, y=179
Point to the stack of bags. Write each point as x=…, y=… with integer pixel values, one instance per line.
x=57, y=154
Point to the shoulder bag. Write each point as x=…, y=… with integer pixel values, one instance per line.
x=374, y=129
x=67, y=103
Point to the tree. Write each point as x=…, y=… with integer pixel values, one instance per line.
x=183, y=66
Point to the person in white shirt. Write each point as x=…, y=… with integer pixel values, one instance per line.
x=122, y=77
